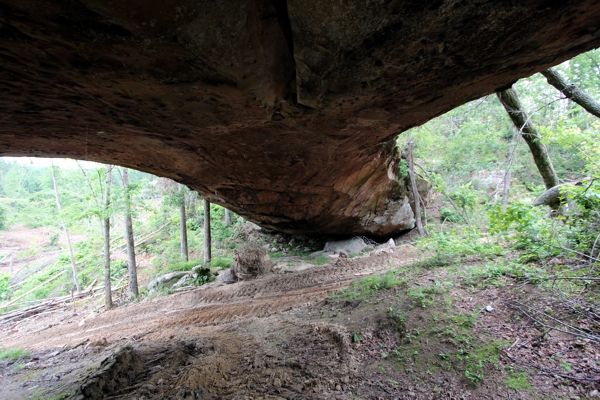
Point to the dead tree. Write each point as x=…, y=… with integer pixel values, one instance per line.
x=516, y=112
x=572, y=92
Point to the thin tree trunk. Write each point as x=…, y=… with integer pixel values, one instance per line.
x=106, y=234
x=227, y=218
x=183, y=226
x=572, y=92
x=510, y=101
x=207, y=238
x=413, y=183
x=506, y=190
x=64, y=226
x=512, y=153
x=131, y=265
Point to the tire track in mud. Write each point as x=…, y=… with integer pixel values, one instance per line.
x=262, y=297
x=326, y=275
x=276, y=293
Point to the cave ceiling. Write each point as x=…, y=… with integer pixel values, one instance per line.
x=284, y=112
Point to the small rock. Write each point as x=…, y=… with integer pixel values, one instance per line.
x=489, y=308
x=594, y=393
x=277, y=382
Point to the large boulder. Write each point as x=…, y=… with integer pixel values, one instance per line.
x=285, y=112
x=350, y=246
x=178, y=279
x=166, y=281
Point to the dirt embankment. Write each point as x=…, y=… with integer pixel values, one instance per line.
x=283, y=336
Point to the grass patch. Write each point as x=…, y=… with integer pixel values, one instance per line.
x=184, y=266
x=321, y=260
x=494, y=274
x=517, y=381
x=14, y=353
x=450, y=246
x=221, y=262
x=425, y=296
x=367, y=287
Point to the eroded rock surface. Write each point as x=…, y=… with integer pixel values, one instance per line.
x=284, y=112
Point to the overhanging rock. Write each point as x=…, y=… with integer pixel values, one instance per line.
x=282, y=111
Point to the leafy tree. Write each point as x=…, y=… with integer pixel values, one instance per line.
x=64, y=226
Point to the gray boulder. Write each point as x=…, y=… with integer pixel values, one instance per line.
x=226, y=276
x=350, y=246
x=167, y=280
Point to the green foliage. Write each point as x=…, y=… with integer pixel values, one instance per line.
x=4, y=287
x=424, y=296
x=403, y=168
x=221, y=262
x=14, y=353
x=492, y=274
x=183, y=266
x=3, y=218
x=37, y=278
x=367, y=287
x=398, y=319
x=321, y=260
x=450, y=215
x=454, y=244
x=201, y=280
x=465, y=197
x=517, y=380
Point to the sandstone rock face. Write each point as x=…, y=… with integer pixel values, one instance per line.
x=282, y=111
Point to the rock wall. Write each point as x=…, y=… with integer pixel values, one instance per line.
x=283, y=111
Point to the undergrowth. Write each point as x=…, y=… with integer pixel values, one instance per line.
x=13, y=353
x=367, y=287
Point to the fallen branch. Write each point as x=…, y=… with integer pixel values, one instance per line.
x=573, y=330
x=32, y=290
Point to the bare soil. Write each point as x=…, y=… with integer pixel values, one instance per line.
x=287, y=335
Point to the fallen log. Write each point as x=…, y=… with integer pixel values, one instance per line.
x=33, y=290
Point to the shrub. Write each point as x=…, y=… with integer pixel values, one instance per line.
x=13, y=353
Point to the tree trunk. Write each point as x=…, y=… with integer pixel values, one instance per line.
x=183, y=225
x=510, y=101
x=131, y=265
x=512, y=153
x=207, y=241
x=106, y=234
x=413, y=183
x=227, y=218
x=64, y=226
x=572, y=92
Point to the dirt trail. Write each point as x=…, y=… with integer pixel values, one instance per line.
x=161, y=317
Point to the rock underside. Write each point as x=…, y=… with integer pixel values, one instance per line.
x=282, y=111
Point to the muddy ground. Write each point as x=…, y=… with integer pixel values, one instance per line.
x=306, y=334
